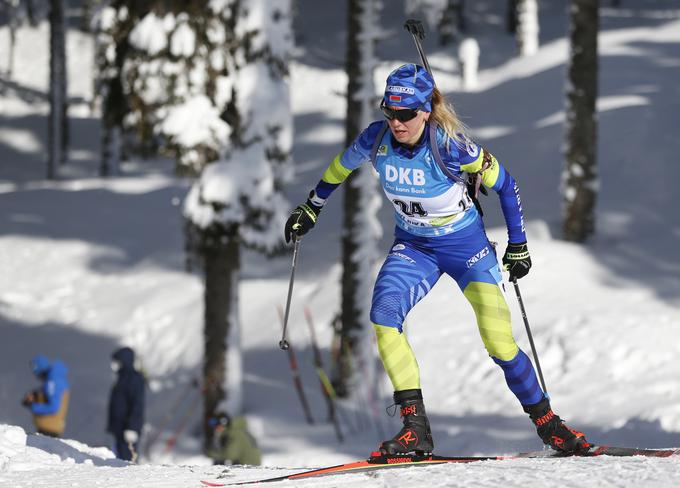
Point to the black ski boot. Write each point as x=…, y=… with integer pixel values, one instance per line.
x=415, y=436
x=553, y=431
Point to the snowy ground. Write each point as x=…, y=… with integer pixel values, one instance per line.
x=88, y=265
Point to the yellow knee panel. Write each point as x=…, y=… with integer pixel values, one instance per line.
x=397, y=358
x=493, y=319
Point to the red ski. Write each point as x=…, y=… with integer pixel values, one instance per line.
x=382, y=461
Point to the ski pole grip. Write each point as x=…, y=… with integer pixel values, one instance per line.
x=415, y=28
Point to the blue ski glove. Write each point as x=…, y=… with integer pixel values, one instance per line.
x=301, y=220
x=517, y=260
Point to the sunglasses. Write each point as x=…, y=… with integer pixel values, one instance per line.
x=403, y=115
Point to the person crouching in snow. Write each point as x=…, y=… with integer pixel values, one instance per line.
x=431, y=171
x=232, y=442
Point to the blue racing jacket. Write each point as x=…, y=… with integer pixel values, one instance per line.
x=427, y=202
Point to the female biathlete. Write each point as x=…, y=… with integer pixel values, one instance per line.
x=426, y=163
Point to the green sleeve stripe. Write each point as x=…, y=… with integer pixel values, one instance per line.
x=490, y=175
x=336, y=173
x=474, y=166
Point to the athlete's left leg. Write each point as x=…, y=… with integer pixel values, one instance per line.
x=493, y=321
x=480, y=285
x=469, y=258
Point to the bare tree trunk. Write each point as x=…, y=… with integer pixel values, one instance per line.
x=452, y=23
x=110, y=150
x=349, y=312
x=12, y=44
x=357, y=238
x=56, y=149
x=221, y=259
x=511, y=18
x=33, y=12
x=63, y=85
x=65, y=131
x=88, y=10
x=114, y=107
x=579, y=178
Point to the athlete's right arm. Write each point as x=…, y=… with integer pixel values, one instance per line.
x=303, y=218
x=347, y=161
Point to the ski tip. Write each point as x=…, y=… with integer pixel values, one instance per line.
x=211, y=483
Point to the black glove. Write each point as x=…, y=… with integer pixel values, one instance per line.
x=516, y=260
x=301, y=220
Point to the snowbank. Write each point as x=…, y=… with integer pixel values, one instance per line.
x=21, y=452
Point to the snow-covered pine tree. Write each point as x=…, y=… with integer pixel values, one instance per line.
x=206, y=82
x=579, y=178
x=361, y=203
x=238, y=200
x=58, y=119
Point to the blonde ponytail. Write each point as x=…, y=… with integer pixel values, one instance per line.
x=445, y=115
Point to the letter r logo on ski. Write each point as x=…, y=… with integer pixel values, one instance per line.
x=408, y=438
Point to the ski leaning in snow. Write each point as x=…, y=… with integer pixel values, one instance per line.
x=381, y=461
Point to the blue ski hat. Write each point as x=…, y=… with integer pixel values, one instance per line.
x=409, y=86
x=40, y=364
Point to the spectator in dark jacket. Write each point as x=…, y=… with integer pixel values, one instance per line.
x=49, y=403
x=126, y=405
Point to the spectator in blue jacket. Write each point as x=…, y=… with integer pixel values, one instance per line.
x=49, y=403
x=126, y=405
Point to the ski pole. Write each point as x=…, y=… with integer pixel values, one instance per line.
x=133, y=451
x=183, y=423
x=326, y=386
x=531, y=338
x=283, y=343
x=416, y=29
x=297, y=378
x=170, y=413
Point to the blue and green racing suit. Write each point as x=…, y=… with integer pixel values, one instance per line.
x=438, y=230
